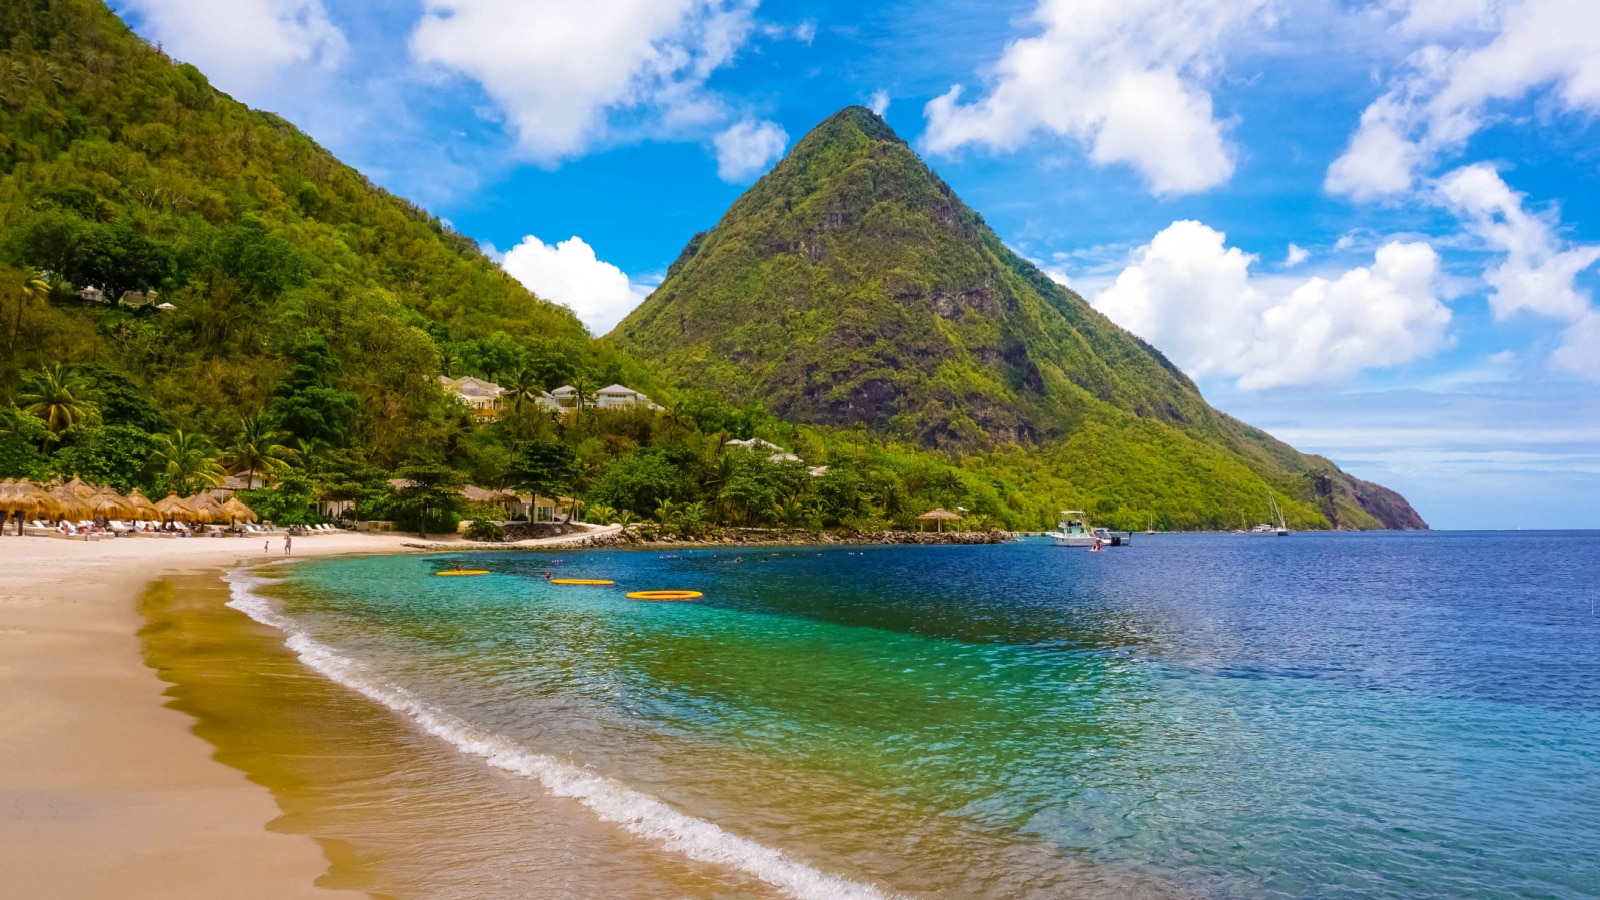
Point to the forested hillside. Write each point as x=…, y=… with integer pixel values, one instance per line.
x=852, y=285
x=301, y=317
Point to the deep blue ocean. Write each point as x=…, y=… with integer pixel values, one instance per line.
x=1322, y=715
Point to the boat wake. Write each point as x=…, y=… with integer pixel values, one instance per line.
x=641, y=814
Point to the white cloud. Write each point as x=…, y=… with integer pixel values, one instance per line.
x=1195, y=298
x=1297, y=255
x=1446, y=95
x=1538, y=271
x=570, y=274
x=1121, y=76
x=748, y=148
x=880, y=102
x=1579, y=352
x=559, y=71
x=242, y=44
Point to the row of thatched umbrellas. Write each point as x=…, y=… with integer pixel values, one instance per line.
x=74, y=500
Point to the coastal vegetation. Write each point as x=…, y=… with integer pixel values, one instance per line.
x=191, y=289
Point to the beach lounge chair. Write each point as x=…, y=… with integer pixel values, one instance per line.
x=37, y=528
x=119, y=527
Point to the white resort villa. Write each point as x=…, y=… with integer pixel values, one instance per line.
x=614, y=397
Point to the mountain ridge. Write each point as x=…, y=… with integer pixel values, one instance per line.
x=852, y=286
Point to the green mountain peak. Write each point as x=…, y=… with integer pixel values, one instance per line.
x=850, y=285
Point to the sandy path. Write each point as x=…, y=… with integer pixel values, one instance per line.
x=105, y=792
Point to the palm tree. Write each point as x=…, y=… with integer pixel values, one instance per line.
x=522, y=385
x=34, y=287
x=666, y=511
x=56, y=395
x=792, y=511
x=580, y=395
x=677, y=418
x=187, y=460
x=310, y=452
x=258, y=448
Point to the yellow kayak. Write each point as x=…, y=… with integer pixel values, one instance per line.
x=580, y=581
x=665, y=595
x=463, y=572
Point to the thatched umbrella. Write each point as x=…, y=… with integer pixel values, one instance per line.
x=173, y=508
x=939, y=515
x=236, y=511
x=108, y=504
x=141, y=506
x=73, y=506
x=205, y=508
x=24, y=498
x=77, y=487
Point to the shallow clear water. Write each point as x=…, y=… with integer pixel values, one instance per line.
x=1337, y=715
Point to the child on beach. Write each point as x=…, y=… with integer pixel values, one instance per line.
x=286, y=540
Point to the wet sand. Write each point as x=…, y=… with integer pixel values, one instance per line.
x=105, y=790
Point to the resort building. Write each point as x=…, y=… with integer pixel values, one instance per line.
x=778, y=455
x=616, y=396
x=482, y=396
x=93, y=294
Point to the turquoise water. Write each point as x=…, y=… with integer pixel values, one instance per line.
x=1323, y=715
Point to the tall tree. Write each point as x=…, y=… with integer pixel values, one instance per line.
x=34, y=287
x=187, y=461
x=258, y=448
x=58, y=395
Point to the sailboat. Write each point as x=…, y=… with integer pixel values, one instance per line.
x=1152, y=528
x=1283, y=527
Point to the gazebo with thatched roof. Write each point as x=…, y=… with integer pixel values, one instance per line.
x=939, y=515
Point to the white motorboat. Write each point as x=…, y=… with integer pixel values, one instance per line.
x=1114, y=538
x=1073, y=531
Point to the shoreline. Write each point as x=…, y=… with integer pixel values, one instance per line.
x=105, y=788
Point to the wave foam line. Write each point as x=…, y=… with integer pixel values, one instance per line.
x=612, y=801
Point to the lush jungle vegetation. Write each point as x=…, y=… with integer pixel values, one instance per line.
x=311, y=314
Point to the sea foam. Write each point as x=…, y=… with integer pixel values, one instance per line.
x=610, y=800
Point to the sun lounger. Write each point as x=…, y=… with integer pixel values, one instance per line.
x=119, y=527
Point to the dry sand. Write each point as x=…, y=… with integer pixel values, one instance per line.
x=104, y=791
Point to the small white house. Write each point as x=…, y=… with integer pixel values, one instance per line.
x=93, y=294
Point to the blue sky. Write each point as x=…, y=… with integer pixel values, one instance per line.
x=1371, y=227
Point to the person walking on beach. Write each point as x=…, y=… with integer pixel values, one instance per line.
x=286, y=544
x=266, y=546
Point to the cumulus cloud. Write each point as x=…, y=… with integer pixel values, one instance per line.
x=1123, y=77
x=569, y=273
x=559, y=71
x=880, y=102
x=1479, y=53
x=1297, y=255
x=1538, y=270
x=1193, y=296
x=242, y=44
x=747, y=148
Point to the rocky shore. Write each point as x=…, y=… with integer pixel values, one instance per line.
x=784, y=537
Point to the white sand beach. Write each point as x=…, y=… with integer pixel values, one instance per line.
x=104, y=791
